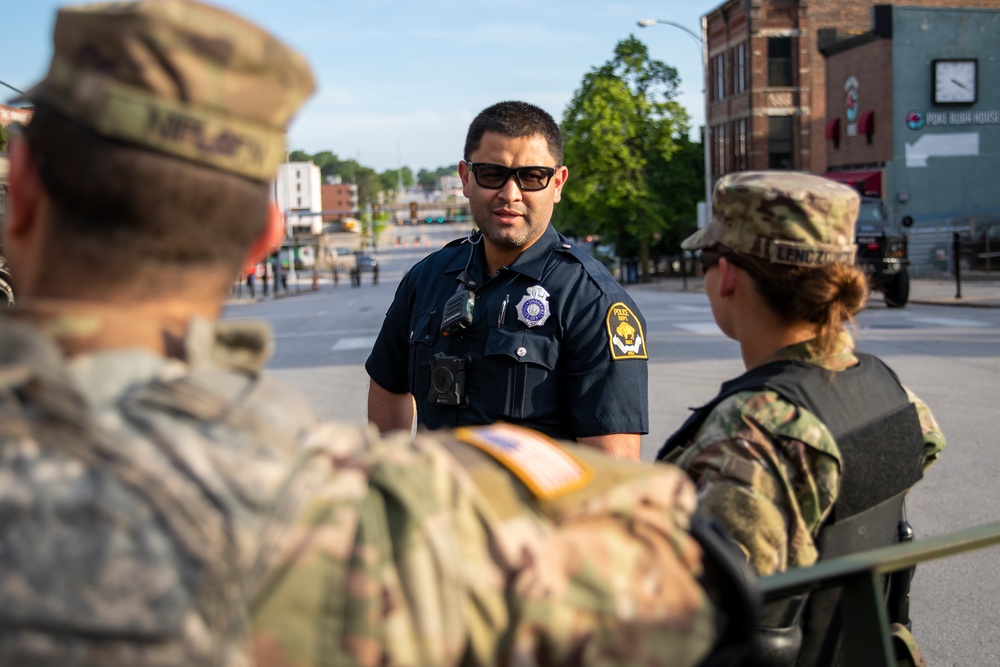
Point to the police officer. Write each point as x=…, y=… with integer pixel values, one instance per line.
x=164, y=504
x=810, y=452
x=513, y=323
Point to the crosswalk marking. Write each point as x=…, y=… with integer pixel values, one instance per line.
x=353, y=344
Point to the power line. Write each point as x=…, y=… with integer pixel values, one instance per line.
x=19, y=92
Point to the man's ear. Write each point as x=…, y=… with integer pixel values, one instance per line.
x=729, y=277
x=464, y=173
x=269, y=238
x=26, y=191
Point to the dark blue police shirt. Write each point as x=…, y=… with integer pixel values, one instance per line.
x=579, y=371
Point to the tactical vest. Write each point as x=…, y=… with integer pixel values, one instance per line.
x=878, y=433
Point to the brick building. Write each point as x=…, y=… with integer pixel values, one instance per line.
x=340, y=200
x=766, y=78
x=10, y=115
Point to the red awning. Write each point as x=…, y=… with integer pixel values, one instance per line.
x=833, y=129
x=866, y=125
x=867, y=182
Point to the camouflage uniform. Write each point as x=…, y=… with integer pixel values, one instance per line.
x=430, y=553
x=776, y=512
x=139, y=492
x=183, y=510
x=775, y=506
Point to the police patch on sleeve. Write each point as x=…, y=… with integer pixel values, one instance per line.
x=625, y=333
x=547, y=469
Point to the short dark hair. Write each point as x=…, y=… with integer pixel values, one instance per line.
x=127, y=212
x=515, y=119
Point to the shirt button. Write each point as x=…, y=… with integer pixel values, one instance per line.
x=566, y=246
x=521, y=352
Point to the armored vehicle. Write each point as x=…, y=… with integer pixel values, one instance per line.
x=882, y=253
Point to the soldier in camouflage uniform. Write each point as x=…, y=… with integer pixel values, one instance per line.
x=767, y=457
x=163, y=503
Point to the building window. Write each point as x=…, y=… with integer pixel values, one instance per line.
x=298, y=187
x=740, y=143
x=779, y=142
x=719, y=77
x=740, y=68
x=720, y=165
x=779, y=62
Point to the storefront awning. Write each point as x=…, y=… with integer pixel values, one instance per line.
x=866, y=182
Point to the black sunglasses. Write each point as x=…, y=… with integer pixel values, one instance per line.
x=495, y=176
x=709, y=257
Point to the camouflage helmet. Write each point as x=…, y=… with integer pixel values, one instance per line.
x=784, y=217
x=179, y=77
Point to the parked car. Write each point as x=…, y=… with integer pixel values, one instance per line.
x=366, y=263
x=882, y=253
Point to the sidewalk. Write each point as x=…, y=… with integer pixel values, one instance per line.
x=927, y=291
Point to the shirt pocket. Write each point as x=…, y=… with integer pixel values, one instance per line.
x=423, y=334
x=522, y=382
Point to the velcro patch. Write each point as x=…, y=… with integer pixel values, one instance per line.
x=547, y=469
x=625, y=333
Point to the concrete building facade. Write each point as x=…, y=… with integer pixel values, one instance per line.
x=297, y=192
x=914, y=116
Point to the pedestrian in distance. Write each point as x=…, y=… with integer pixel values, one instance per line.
x=282, y=272
x=810, y=453
x=252, y=281
x=513, y=323
x=166, y=503
x=375, y=274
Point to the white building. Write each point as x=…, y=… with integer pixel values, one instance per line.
x=298, y=191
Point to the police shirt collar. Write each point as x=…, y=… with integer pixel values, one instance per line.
x=531, y=262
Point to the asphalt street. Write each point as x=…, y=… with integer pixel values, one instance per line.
x=944, y=349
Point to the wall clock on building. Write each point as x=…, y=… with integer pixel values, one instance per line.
x=954, y=81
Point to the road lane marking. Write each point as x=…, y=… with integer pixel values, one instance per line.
x=700, y=328
x=950, y=322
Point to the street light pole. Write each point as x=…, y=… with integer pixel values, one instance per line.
x=707, y=137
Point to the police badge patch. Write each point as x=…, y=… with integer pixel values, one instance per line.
x=533, y=308
x=625, y=333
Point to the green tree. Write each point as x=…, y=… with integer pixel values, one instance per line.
x=430, y=180
x=390, y=178
x=368, y=184
x=621, y=129
x=3, y=138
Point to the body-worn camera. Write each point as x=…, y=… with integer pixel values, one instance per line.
x=457, y=314
x=448, y=380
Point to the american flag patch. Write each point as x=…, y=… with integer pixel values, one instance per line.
x=546, y=468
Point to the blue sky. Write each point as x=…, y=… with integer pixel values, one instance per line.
x=400, y=80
